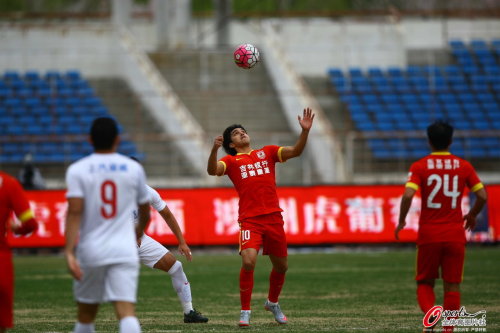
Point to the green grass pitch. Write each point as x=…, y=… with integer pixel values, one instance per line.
x=342, y=291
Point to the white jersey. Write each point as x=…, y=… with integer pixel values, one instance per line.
x=112, y=185
x=155, y=200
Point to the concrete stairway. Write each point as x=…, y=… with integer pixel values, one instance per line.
x=162, y=158
x=219, y=94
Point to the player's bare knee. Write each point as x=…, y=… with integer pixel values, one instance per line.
x=448, y=286
x=124, y=309
x=429, y=282
x=281, y=268
x=248, y=264
x=166, y=262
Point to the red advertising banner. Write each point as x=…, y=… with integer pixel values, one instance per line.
x=312, y=215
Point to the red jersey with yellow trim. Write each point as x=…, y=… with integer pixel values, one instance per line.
x=442, y=178
x=254, y=178
x=12, y=199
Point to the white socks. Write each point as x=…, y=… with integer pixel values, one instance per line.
x=130, y=325
x=127, y=325
x=84, y=328
x=181, y=286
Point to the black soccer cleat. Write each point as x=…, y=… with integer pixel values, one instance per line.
x=195, y=317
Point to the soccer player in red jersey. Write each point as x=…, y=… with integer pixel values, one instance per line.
x=261, y=224
x=12, y=199
x=441, y=178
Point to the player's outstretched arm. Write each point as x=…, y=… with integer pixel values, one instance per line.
x=305, y=123
x=73, y=218
x=171, y=221
x=470, y=217
x=404, y=208
x=213, y=167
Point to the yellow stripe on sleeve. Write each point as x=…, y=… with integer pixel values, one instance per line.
x=279, y=154
x=225, y=166
x=26, y=215
x=412, y=185
x=477, y=187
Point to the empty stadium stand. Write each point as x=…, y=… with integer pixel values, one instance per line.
x=49, y=115
x=391, y=106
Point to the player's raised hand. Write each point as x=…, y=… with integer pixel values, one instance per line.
x=218, y=141
x=185, y=251
x=307, y=119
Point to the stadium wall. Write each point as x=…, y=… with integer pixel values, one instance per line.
x=312, y=215
x=313, y=44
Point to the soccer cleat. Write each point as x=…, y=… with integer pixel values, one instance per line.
x=245, y=318
x=279, y=316
x=194, y=317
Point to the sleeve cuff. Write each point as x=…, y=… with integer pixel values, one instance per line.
x=412, y=185
x=225, y=166
x=26, y=215
x=477, y=187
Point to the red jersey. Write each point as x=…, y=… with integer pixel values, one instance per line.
x=12, y=199
x=254, y=178
x=442, y=178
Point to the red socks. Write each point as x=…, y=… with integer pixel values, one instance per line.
x=246, y=286
x=276, y=281
x=425, y=296
x=451, y=302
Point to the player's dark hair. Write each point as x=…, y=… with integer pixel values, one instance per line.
x=227, y=138
x=103, y=133
x=440, y=134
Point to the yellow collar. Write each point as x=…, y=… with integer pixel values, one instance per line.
x=441, y=153
x=245, y=153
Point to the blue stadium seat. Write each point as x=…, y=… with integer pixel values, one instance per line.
x=478, y=44
x=456, y=78
x=460, y=87
x=73, y=75
x=390, y=98
x=370, y=98
x=462, y=125
x=451, y=70
x=335, y=72
x=481, y=124
x=385, y=126
x=466, y=98
x=471, y=69
x=362, y=88
x=65, y=92
x=395, y=72
x=350, y=98
x=11, y=75
x=375, y=72
x=366, y=126
x=456, y=44
x=31, y=76
x=414, y=70
x=355, y=72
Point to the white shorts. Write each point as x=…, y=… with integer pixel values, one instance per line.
x=150, y=251
x=108, y=283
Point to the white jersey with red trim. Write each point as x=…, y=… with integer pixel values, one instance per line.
x=111, y=185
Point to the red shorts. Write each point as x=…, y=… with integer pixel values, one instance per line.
x=447, y=255
x=6, y=289
x=266, y=231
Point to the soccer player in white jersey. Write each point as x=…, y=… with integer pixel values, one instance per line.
x=155, y=255
x=104, y=189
